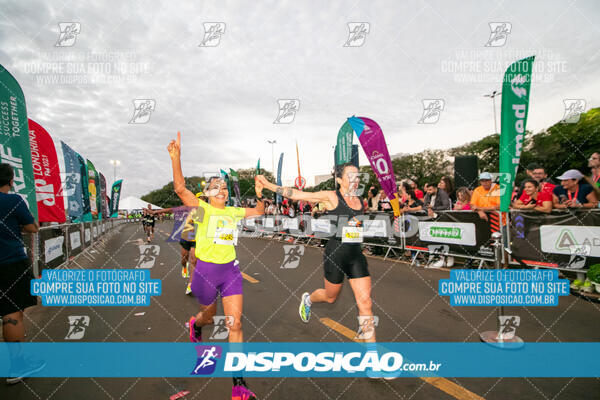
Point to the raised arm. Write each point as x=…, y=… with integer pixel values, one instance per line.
x=324, y=196
x=186, y=196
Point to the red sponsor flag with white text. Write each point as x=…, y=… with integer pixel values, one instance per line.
x=46, y=173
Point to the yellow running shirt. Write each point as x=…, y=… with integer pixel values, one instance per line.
x=216, y=232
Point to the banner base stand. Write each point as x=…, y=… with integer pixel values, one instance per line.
x=491, y=338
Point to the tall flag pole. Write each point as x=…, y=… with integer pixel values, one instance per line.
x=299, y=182
x=278, y=197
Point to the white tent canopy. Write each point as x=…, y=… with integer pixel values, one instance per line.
x=133, y=203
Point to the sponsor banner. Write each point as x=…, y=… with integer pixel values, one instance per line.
x=447, y=232
x=103, y=210
x=72, y=186
x=373, y=143
x=85, y=190
x=564, y=240
x=317, y=360
x=343, y=149
x=95, y=231
x=75, y=238
x=115, y=196
x=50, y=201
x=14, y=139
x=515, y=107
x=180, y=215
x=236, y=187
x=93, y=190
x=53, y=248
x=87, y=235
x=474, y=233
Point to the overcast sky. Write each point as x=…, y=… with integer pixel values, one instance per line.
x=224, y=99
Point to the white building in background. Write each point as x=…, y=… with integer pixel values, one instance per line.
x=321, y=178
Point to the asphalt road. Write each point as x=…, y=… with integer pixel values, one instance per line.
x=405, y=300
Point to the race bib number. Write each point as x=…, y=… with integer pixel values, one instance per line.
x=225, y=236
x=352, y=234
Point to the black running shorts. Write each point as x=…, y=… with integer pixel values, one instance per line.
x=344, y=260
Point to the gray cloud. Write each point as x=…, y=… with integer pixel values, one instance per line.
x=224, y=99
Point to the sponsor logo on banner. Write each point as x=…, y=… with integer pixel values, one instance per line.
x=77, y=326
x=53, y=248
x=291, y=256
x=563, y=239
x=357, y=33
x=448, y=232
x=87, y=234
x=75, y=238
x=213, y=31
x=221, y=327
x=95, y=231
x=499, y=32
x=207, y=359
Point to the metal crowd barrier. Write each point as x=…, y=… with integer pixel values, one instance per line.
x=464, y=234
x=55, y=245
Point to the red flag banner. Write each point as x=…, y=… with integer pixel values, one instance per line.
x=46, y=173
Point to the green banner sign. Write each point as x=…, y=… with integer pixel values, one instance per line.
x=343, y=149
x=515, y=106
x=14, y=142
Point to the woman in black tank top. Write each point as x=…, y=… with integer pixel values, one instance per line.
x=343, y=254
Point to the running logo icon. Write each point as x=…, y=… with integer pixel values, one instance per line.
x=148, y=254
x=573, y=110
x=142, y=109
x=432, y=109
x=222, y=324
x=499, y=32
x=291, y=255
x=212, y=34
x=508, y=326
x=357, y=34
x=77, y=326
x=287, y=111
x=68, y=34
x=207, y=359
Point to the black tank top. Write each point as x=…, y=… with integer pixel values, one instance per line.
x=345, y=215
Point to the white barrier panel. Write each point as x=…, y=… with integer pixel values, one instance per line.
x=75, y=238
x=563, y=239
x=53, y=248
